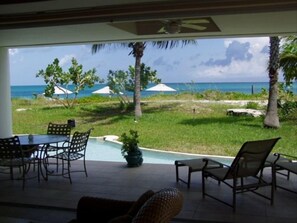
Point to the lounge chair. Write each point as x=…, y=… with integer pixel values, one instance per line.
x=248, y=167
x=150, y=207
x=284, y=162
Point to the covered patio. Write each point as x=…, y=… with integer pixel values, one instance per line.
x=56, y=200
x=45, y=23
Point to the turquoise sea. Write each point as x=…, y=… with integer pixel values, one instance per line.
x=243, y=87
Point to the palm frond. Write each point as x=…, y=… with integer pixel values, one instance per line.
x=99, y=46
x=169, y=44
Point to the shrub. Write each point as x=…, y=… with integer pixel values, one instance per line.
x=252, y=105
x=288, y=110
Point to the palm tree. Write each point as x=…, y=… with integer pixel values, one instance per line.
x=288, y=58
x=137, y=51
x=271, y=119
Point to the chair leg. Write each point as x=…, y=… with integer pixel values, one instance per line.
x=176, y=171
x=203, y=184
x=273, y=184
x=57, y=161
x=23, y=175
x=189, y=177
x=288, y=175
x=68, y=167
x=234, y=194
x=85, y=167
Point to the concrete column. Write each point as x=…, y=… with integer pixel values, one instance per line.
x=5, y=95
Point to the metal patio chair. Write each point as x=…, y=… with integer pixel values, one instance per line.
x=12, y=155
x=74, y=151
x=54, y=149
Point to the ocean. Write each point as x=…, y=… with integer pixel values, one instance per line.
x=243, y=87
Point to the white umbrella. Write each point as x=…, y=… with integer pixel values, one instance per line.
x=105, y=90
x=60, y=90
x=160, y=87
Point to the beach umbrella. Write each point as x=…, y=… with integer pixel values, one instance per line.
x=160, y=87
x=60, y=90
x=105, y=90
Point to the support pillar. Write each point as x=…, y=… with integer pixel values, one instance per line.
x=5, y=95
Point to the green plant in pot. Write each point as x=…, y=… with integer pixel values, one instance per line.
x=130, y=149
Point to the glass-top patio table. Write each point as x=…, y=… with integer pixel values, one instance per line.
x=45, y=139
x=41, y=142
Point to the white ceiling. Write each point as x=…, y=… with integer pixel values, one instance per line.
x=90, y=21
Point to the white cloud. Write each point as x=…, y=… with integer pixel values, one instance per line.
x=239, y=70
x=13, y=51
x=66, y=59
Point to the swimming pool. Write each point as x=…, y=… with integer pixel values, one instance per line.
x=101, y=150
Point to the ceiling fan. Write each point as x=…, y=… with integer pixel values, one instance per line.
x=176, y=26
x=169, y=26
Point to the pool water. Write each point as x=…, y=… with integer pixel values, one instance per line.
x=100, y=150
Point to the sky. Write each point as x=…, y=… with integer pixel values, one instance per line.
x=211, y=60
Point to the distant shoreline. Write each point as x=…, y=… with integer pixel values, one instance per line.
x=28, y=91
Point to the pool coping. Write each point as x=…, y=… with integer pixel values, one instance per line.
x=113, y=139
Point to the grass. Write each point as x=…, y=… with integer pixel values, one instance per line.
x=176, y=123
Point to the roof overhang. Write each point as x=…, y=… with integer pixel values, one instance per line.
x=27, y=23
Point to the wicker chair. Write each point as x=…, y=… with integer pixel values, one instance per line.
x=159, y=207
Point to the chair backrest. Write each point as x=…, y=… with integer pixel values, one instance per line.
x=10, y=148
x=58, y=129
x=161, y=207
x=79, y=141
x=251, y=158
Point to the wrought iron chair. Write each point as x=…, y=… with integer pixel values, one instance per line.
x=57, y=129
x=12, y=155
x=74, y=151
x=248, y=167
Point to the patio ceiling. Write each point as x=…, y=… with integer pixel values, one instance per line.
x=33, y=22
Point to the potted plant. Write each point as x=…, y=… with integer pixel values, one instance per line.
x=130, y=149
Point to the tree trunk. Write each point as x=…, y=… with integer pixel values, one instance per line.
x=271, y=119
x=138, y=49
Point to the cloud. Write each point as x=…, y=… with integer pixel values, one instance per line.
x=161, y=62
x=265, y=50
x=13, y=51
x=245, y=59
x=66, y=59
x=235, y=51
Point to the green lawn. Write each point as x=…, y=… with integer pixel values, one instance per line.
x=165, y=125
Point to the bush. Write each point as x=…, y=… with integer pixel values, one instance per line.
x=252, y=105
x=288, y=110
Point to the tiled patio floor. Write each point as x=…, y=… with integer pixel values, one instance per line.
x=56, y=199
